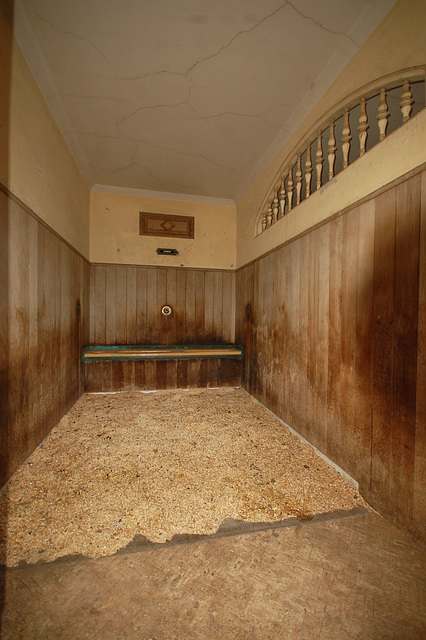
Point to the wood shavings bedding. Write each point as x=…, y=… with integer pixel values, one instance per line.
x=160, y=464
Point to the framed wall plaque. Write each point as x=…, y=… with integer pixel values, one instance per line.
x=165, y=225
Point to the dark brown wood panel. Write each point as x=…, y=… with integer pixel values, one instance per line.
x=335, y=343
x=162, y=374
x=48, y=312
x=126, y=305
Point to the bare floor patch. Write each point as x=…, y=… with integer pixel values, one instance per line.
x=159, y=465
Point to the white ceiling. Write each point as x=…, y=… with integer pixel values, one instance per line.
x=180, y=96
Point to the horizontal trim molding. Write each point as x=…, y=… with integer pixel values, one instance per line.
x=160, y=195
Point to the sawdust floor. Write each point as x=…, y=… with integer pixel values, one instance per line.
x=159, y=464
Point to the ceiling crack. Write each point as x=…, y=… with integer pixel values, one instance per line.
x=319, y=24
x=237, y=35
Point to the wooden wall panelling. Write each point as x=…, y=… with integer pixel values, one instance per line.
x=346, y=320
x=99, y=302
x=120, y=305
x=190, y=334
x=312, y=321
x=227, y=333
x=383, y=344
x=217, y=306
x=280, y=332
x=363, y=344
x=334, y=365
x=32, y=326
x=4, y=342
x=419, y=479
x=322, y=333
x=18, y=334
x=162, y=323
x=302, y=424
x=407, y=235
x=131, y=305
x=208, y=333
x=200, y=308
x=44, y=332
x=292, y=303
x=141, y=317
x=62, y=316
x=349, y=431
x=152, y=307
x=170, y=323
x=111, y=305
x=180, y=306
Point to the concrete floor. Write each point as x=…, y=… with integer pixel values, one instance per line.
x=341, y=578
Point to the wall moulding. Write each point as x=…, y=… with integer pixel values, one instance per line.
x=165, y=225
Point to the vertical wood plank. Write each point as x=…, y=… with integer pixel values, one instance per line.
x=217, y=306
x=209, y=307
x=293, y=314
x=334, y=435
x=419, y=499
x=161, y=374
x=191, y=323
x=151, y=309
x=131, y=320
x=161, y=328
x=182, y=374
x=99, y=330
x=33, y=331
x=322, y=326
x=350, y=231
x=171, y=374
x=228, y=308
x=141, y=311
x=171, y=297
x=92, y=298
x=383, y=345
x=180, y=306
x=199, y=331
x=111, y=305
x=363, y=344
x=121, y=305
x=406, y=298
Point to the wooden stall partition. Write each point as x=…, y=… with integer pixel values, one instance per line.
x=46, y=303
x=335, y=342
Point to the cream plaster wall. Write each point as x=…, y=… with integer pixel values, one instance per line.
x=35, y=163
x=114, y=232
x=398, y=42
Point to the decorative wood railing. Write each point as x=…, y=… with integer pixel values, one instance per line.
x=345, y=133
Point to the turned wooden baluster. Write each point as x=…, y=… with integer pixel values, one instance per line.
x=331, y=151
x=290, y=184
x=346, y=139
x=269, y=215
x=383, y=114
x=406, y=101
x=282, y=197
x=264, y=221
x=319, y=160
x=362, y=127
x=308, y=170
x=275, y=208
x=298, y=180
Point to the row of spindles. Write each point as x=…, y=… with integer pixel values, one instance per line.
x=282, y=201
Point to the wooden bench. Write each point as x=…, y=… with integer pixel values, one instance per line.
x=150, y=367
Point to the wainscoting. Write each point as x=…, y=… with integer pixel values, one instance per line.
x=126, y=303
x=335, y=343
x=44, y=320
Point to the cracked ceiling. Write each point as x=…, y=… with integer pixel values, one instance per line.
x=181, y=96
